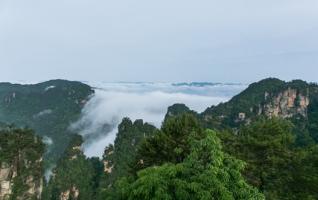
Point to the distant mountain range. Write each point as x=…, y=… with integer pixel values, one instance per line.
x=202, y=84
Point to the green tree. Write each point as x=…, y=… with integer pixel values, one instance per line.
x=267, y=146
x=205, y=173
x=21, y=153
x=75, y=176
x=305, y=175
x=171, y=143
x=120, y=156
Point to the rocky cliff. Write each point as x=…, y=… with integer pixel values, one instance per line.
x=286, y=104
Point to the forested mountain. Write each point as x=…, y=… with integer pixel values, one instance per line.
x=296, y=101
x=47, y=107
x=261, y=144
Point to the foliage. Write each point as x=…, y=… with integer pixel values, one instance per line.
x=313, y=113
x=121, y=155
x=171, y=143
x=178, y=109
x=274, y=163
x=304, y=184
x=22, y=152
x=205, y=173
x=74, y=172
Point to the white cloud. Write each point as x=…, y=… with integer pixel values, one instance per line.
x=139, y=101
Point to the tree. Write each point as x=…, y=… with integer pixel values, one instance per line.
x=171, y=143
x=74, y=177
x=205, y=173
x=267, y=146
x=305, y=176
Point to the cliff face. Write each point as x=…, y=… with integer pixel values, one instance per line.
x=270, y=97
x=287, y=104
x=21, y=174
x=7, y=174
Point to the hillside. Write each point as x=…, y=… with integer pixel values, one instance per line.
x=296, y=101
x=47, y=107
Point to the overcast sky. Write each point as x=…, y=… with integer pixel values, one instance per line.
x=163, y=40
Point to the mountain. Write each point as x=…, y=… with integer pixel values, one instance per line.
x=48, y=108
x=295, y=100
x=118, y=158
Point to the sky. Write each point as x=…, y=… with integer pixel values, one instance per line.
x=159, y=41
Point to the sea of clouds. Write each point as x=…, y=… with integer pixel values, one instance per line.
x=148, y=101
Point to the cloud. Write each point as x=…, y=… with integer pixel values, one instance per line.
x=112, y=102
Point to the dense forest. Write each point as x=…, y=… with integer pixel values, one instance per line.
x=262, y=144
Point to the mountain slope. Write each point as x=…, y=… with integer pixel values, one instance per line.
x=295, y=100
x=47, y=107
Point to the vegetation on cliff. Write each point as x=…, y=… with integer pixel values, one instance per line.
x=75, y=177
x=21, y=166
x=118, y=158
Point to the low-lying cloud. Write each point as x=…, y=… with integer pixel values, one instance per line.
x=112, y=102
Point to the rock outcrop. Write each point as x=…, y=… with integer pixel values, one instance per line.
x=287, y=104
x=72, y=193
x=7, y=174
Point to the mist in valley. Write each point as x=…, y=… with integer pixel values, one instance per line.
x=148, y=101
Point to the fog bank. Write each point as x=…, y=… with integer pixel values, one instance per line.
x=148, y=101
